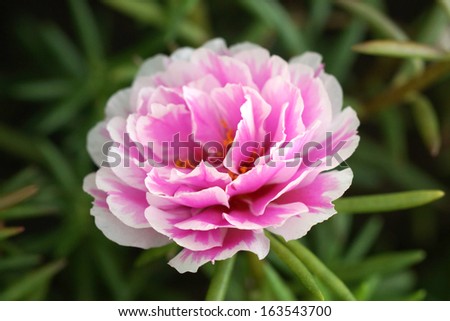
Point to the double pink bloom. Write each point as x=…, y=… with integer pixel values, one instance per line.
x=221, y=97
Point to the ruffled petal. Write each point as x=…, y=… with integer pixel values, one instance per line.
x=251, y=133
x=235, y=241
x=208, y=219
x=287, y=109
x=113, y=228
x=165, y=223
x=127, y=203
x=97, y=137
x=225, y=69
x=318, y=197
x=119, y=104
x=274, y=215
x=262, y=66
x=164, y=130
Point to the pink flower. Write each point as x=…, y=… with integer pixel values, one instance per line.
x=212, y=146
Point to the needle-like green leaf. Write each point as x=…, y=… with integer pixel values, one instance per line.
x=275, y=15
x=386, y=202
x=27, y=284
x=427, y=122
x=8, y=232
x=400, y=49
x=381, y=264
x=376, y=19
x=17, y=196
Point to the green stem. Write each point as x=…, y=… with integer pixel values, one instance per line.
x=321, y=271
x=296, y=266
x=221, y=279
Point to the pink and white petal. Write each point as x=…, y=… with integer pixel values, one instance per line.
x=127, y=203
x=203, y=176
x=243, y=46
x=224, y=69
x=156, y=182
x=119, y=104
x=250, y=135
x=183, y=53
x=208, y=219
x=308, y=58
x=258, y=203
x=152, y=66
x=338, y=142
x=128, y=169
x=297, y=227
x=345, y=129
x=113, y=228
x=90, y=187
x=317, y=104
x=287, y=108
x=261, y=175
x=97, y=137
x=218, y=45
x=205, y=84
x=203, y=198
x=122, y=234
x=162, y=203
x=282, y=166
x=273, y=216
x=318, y=197
x=206, y=121
x=334, y=91
x=235, y=241
x=319, y=194
x=177, y=74
x=160, y=96
x=228, y=101
x=262, y=66
x=165, y=223
x=160, y=132
x=116, y=127
x=185, y=195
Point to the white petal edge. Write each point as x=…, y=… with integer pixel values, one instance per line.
x=312, y=59
x=152, y=65
x=96, y=138
x=118, y=232
x=260, y=247
x=297, y=227
x=119, y=104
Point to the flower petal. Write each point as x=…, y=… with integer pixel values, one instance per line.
x=96, y=138
x=127, y=203
x=309, y=58
x=317, y=196
x=225, y=69
x=119, y=104
x=287, y=109
x=208, y=219
x=116, y=230
x=274, y=215
x=164, y=222
x=235, y=241
x=263, y=66
x=251, y=133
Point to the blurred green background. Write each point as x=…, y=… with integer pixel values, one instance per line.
x=61, y=60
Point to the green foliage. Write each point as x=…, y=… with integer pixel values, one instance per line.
x=67, y=61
